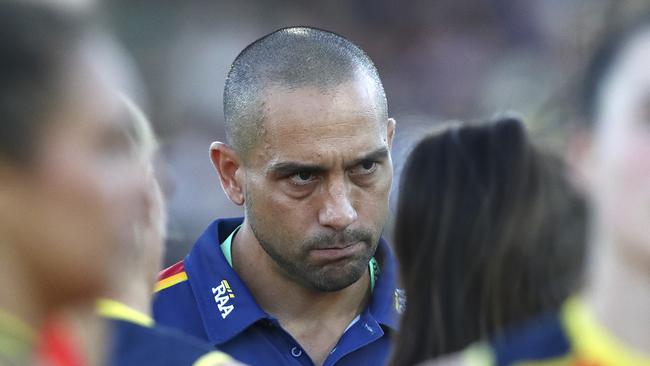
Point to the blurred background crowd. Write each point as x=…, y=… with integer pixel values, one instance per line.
x=439, y=60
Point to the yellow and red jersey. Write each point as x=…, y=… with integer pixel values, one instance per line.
x=569, y=337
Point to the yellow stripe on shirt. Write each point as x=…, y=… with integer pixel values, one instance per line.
x=116, y=310
x=592, y=342
x=16, y=339
x=170, y=281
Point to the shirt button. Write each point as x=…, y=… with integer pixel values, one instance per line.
x=296, y=352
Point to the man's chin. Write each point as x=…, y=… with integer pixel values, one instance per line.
x=336, y=278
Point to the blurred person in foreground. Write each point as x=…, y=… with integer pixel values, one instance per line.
x=135, y=339
x=68, y=188
x=608, y=321
x=304, y=278
x=488, y=234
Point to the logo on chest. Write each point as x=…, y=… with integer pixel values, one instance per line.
x=222, y=295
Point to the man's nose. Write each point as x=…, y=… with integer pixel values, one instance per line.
x=337, y=211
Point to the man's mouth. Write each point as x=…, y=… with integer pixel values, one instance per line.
x=337, y=252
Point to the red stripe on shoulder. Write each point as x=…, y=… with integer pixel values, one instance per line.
x=172, y=270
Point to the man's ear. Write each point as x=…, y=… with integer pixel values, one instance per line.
x=580, y=160
x=228, y=166
x=390, y=131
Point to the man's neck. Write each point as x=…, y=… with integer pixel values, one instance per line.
x=316, y=319
x=618, y=291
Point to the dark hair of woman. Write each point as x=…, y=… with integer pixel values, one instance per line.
x=37, y=44
x=488, y=234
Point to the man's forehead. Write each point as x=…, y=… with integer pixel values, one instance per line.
x=322, y=144
x=312, y=121
x=310, y=146
x=313, y=104
x=319, y=112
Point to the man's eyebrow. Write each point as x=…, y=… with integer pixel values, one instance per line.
x=376, y=155
x=287, y=168
x=283, y=169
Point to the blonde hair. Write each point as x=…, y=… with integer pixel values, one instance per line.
x=140, y=132
x=145, y=145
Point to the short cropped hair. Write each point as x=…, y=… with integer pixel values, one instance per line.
x=291, y=58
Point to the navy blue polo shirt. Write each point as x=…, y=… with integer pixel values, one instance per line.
x=136, y=345
x=204, y=297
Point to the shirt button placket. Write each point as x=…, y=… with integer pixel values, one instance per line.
x=296, y=352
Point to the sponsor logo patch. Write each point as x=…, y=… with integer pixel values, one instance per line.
x=222, y=295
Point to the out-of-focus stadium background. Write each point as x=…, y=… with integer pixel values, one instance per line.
x=439, y=60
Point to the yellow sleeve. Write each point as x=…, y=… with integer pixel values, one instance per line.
x=479, y=354
x=215, y=358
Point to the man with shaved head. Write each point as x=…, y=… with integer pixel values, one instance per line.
x=304, y=278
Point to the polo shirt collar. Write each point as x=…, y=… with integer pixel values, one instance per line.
x=226, y=314
x=387, y=300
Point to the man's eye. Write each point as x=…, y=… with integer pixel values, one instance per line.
x=367, y=167
x=302, y=178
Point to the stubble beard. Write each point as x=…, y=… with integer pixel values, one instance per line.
x=296, y=265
